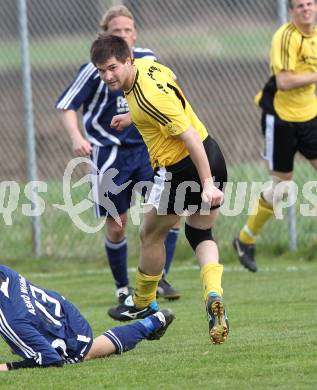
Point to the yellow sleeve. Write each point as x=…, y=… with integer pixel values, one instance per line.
x=168, y=72
x=285, y=46
x=258, y=97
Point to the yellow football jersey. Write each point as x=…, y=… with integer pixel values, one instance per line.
x=293, y=51
x=160, y=111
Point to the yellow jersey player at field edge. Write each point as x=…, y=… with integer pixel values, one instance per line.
x=187, y=163
x=289, y=117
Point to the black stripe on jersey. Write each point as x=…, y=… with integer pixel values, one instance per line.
x=158, y=112
x=301, y=45
x=283, y=44
x=286, y=37
x=288, y=45
x=134, y=82
x=147, y=107
x=178, y=94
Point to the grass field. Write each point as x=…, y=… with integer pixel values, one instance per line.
x=272, y=341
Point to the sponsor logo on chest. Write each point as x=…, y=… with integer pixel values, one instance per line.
x=122, y=105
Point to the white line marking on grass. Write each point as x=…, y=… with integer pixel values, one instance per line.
x=181, y=268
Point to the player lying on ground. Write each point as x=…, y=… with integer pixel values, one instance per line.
x=46, y=330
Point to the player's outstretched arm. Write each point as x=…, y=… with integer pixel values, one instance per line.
x=31, y=345
x=3, y=367
x=27, y=363
x=210, y=194
x=287, y=80
x=81, y=147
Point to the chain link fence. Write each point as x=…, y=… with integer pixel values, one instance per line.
x=217, y=49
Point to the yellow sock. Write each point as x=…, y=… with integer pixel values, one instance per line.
x=145, y=289
x=210, y=275
x=255, y=222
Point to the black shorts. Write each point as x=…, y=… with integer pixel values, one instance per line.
x=283, y=139
x=177, y=188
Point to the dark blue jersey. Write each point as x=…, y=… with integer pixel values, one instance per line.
x=99, y=105
x=40, y=324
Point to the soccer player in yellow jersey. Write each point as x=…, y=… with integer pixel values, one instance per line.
x=289, y=120
x=187, y=164
x=109, y=148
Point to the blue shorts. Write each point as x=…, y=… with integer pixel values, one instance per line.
x=118, y=166
x=78, y=333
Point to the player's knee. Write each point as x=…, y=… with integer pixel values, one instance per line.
x=142, y=234
x=277, y=192
x=196, y=236
x=151, y=234
x=115, y=230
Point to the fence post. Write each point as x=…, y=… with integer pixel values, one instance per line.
x=28, y=119
x=291, y=211
x=281, y=11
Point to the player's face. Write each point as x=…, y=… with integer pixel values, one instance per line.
x=123, y=27
x=117, y=75
x=303, y=12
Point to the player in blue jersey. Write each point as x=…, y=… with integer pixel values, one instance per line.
x=45, y=329
x=109, y=148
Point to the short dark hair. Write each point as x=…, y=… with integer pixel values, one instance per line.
x=106, y=46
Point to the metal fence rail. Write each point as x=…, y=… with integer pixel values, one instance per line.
x=217, y=49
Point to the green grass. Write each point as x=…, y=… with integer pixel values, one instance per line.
x=58, y=52
x=47, y=53
x=272, y=339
